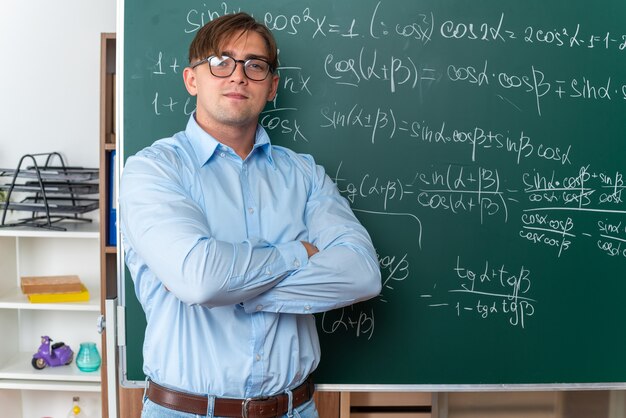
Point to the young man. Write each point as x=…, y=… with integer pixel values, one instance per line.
x=234, y=243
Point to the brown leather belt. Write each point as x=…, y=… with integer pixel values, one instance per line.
x=267, y=407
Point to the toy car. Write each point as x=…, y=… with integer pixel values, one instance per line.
x=58, y=354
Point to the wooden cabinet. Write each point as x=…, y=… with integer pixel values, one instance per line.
x=386, y=405
x=114, y=404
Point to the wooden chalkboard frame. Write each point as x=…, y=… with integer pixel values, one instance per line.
x=552, y=384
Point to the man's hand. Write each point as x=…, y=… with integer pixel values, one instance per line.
x=310, y=248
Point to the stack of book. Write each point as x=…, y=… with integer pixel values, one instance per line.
x=51, y=289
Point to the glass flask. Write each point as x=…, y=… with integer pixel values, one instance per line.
x=76, y=411
x=88, y=358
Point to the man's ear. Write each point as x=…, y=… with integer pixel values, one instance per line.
x=189, y=77
x=274, y=89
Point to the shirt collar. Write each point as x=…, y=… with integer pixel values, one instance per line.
x=205, y=145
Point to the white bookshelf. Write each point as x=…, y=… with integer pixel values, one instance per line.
x=41, y=252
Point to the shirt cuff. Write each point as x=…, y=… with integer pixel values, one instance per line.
x=294, y=254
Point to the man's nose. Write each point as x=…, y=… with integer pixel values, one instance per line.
x=239, y=74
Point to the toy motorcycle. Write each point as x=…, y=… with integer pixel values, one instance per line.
x=57, y=355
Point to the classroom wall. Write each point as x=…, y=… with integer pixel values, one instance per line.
x=49, y=77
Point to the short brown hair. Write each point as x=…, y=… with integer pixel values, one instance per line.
x=211, y=38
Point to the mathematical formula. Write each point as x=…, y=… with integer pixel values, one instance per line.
x=488, y=291
x=422, y=26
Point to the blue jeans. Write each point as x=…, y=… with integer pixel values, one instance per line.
x=152, y=410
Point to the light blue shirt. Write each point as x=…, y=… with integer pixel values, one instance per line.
x=213, y=245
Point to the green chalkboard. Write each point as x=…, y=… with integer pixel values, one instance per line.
x=483, y=145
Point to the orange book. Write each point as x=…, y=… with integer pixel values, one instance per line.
x=50, y=284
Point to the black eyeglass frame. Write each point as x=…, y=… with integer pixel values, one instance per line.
x=270, y=69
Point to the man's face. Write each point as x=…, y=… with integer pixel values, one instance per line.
x=233, y=101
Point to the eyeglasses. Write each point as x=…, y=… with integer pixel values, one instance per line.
x=256, y=69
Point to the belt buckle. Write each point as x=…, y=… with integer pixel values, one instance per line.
x=246, y=403
x=244, y=407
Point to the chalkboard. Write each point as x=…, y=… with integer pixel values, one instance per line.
x=483, y=145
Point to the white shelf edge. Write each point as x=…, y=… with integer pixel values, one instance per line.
x=15, y=299
x=74, y=230
x=50, y=385
x=19, y=368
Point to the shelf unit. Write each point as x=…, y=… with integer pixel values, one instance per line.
x=42, y=252
x=108, y=253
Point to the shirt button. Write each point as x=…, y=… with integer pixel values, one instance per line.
x=259, y=308
x=296, y=263
x=307, y=307
x=251, y=210
x=268, y=271
x=222, y=154
x=258, y=357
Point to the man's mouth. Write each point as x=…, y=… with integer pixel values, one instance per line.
x=236, y=95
